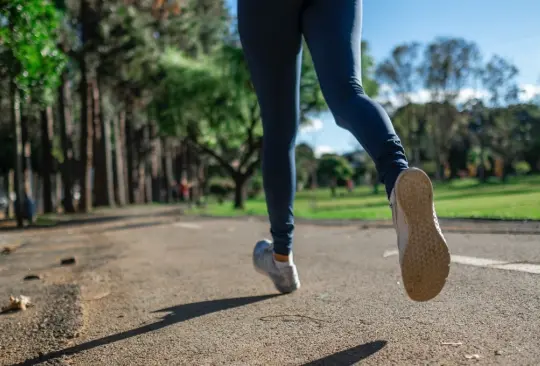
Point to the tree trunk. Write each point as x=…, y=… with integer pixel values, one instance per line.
x=155, y=165
x=11, y=188
x=87, y=132
x=38, y=193
x=142, y=139
x=507, y=166
x=130, y=151
x=66, y=136
x=201, y=179
x=482, y=165
x=109, y=161
x=169, y=178
x=118, y=123
x=16, y=121
x=47, y=159
x=59, y=186
x=178, y=161
x=100, y=179
x=27, y=164
x=239, y=191
x=103, y=186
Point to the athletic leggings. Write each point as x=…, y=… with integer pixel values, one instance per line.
x=271, y=34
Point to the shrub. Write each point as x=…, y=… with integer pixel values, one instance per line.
x=430, y=167
x=221, y=188
x=255, y=186
x=522, y=168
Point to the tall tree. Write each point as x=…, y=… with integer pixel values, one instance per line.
x=65, y=107
x=306, y=164
x=448, y=65
x=30, y=50
x=333, y=169
x=400, y=72
x=47, y=157
x=212, y=100
x=499, y=79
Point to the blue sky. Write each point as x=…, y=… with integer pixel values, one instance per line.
x=508, y=28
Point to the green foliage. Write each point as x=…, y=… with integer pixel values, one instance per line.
x=127, y=49
x=449, y=63
x=207, y=98
x=430, y=167
x=476, y=156
x=211, y=100
x=399, y=70
x=522, y=168
x=410, y=122
x=333, y=166
x=255, y=187
x=28, y=45
x=499, y=78
x=221, y=188
x=371, y=86
x=311, y=96
x=200, y=29
x=306, y=163
x=517, y=199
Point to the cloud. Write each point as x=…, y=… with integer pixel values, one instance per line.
x=529, y=91
x=313, y=125
x=323, y=149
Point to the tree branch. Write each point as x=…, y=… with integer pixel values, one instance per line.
x=212, y=153
x=252, y=148
x=251, y=167
x=252, y=145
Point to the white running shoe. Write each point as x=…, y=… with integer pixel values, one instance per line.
x=423, y=253
x=284, y=275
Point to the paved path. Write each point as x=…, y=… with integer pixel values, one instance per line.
x=170, y=292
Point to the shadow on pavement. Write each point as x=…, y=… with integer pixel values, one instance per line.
x=86, y=219
x=139, y=225
x=177, y=314
x=350, y=356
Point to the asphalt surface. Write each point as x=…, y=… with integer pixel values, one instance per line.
x=166, y=291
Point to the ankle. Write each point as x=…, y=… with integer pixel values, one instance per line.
x=282, y=258
x=283, y=261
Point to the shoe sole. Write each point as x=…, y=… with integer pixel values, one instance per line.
x=426, y=261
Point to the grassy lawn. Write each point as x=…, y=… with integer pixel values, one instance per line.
x=519, y=198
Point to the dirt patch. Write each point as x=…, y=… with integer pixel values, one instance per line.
x=50, y=324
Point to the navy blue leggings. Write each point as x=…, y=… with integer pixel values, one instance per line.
x=271, y=34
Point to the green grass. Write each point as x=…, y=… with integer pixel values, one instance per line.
x=519, y=198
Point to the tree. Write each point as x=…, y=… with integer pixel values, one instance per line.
x=448, y=65
x=334, y=169
x=65, y=107
x=478, y=124
x=306, y=164
x=400, y=72
x=369, y=83
x=410, y=121
x=499, y=79
x=217, y=110
x=135, y=35
x=34, y=62
x=47, y=157
x=213, y=102
x=532, y=150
